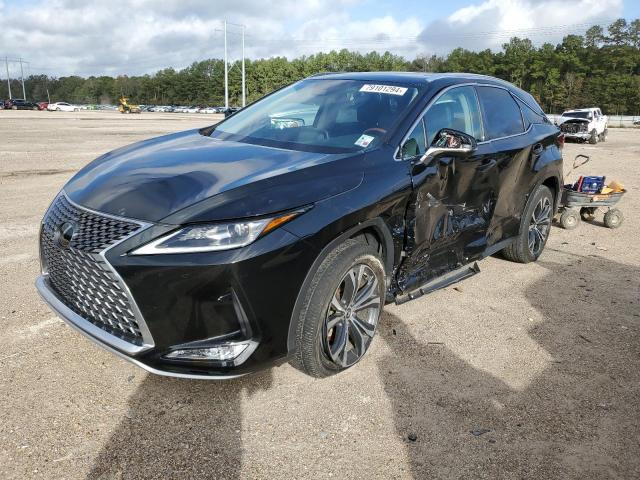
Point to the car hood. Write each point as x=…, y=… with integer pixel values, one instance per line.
x=573, y=120
x=188, y=177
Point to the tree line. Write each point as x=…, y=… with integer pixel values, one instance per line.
x=600, y=68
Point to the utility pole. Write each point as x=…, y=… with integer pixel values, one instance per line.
x=24, y=95
x=6, y=63
x=226, y=70
x=244, y=94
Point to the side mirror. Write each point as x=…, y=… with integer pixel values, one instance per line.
x=450, y=142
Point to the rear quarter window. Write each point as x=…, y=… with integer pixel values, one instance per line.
x=502, y=114
x=531, y=116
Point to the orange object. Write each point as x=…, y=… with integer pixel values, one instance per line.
x=616, y=186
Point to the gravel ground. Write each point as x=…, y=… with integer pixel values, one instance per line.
x=523, y=371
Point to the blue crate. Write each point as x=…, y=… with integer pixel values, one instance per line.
x=592, y=184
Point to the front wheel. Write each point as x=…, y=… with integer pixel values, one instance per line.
x=594, y=137
x=340, y=310
x=535, y=226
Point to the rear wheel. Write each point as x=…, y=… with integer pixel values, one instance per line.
x=341, y=309
x=588, y=213
x=534, y=228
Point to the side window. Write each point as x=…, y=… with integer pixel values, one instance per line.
x=501, y=113
x=457, y=109
x=415, y=144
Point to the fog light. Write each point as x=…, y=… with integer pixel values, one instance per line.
x=222, y=352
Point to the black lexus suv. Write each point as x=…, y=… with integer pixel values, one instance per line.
x=280, y=233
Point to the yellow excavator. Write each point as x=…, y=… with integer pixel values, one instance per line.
x=126, y=107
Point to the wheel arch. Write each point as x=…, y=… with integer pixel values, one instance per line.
x=373, y=229
x=553, y=183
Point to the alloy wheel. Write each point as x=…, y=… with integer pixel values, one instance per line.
x=352, y=316
x=539, y=226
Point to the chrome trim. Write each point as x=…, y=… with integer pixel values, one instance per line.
x=445, y=90
x=147, y=338
x=96, y=335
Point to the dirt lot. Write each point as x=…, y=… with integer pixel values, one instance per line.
x=543, y=358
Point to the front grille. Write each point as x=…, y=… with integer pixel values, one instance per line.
x=83, y=280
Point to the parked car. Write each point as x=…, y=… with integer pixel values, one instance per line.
x=585, y=124
x=2, y=104
x=215, y=252
x=20, y=104
x=209, y=110
x=43, y=105
x=62, y=107
x=231, y=110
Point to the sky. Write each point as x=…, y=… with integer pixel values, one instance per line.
x=85, y=37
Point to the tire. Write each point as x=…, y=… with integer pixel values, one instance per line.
x=594, y=137
x=58, y=109
x=603, y=137
x=613, y=218
x=315, y=340
x=569, y=219
x=540, y=203
x=588, y=213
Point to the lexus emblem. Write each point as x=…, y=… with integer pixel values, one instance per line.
x=65, y=234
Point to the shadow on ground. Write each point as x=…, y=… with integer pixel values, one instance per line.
x=179, y=428
x=579, y=419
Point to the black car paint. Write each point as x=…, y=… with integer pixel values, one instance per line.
x=429, y=218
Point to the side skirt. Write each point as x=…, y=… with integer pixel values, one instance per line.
x=445, y=280
x=453, y=276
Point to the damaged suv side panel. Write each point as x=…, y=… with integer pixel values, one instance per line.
x=462, y=208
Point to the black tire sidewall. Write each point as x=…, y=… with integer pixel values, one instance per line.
x=523, y=238
x=310, y=355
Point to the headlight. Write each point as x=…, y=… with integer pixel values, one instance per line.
x=213, y=237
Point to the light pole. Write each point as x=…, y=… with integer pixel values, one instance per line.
x=24, y=94
x=226, y=70
x=244, y=94
x=6, y=63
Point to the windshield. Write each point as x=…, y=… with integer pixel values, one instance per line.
x=330, y=116
x=577, y=114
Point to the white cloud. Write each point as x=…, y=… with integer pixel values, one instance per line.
x=136, y=36
x=491, y=23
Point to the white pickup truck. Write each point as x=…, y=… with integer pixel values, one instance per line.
x=585, y=124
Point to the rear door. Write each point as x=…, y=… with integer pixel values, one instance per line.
x=453, y=198
x=516, y=147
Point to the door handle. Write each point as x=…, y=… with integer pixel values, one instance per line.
x=537, y=149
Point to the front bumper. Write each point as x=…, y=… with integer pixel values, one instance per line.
x=577, y=136
x=173, y=302
x=99, y=336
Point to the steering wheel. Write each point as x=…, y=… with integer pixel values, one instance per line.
x=377, y=131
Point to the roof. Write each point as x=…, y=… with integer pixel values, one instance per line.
x=409, y=77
